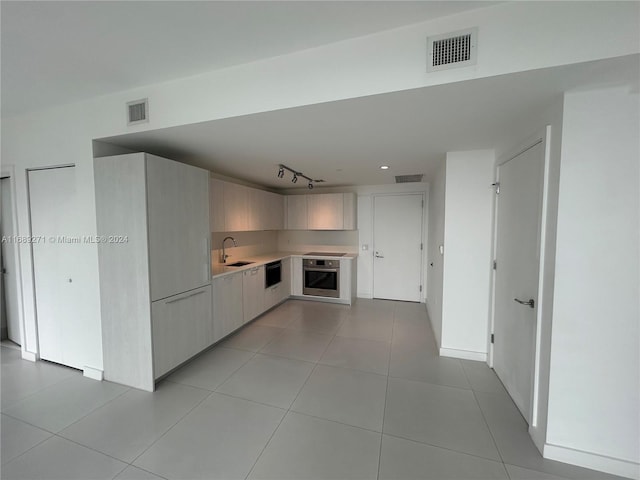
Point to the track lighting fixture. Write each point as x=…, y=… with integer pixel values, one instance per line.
x=296, y=174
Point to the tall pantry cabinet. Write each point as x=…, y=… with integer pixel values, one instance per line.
x=154, y=261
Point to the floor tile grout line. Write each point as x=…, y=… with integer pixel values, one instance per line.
x=39, y=390
x=386, y=391
x=28, y=450
x=495, y=444
x=171, y=427
x=448, y=449
x=289, y=409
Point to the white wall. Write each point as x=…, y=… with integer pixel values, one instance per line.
x=467, y=253
x=594, y=389
x=550, y=34
x=435, y=261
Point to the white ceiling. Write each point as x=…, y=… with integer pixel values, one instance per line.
x=345, y=142
x=58, y=52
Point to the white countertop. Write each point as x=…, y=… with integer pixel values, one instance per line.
x=220, y=269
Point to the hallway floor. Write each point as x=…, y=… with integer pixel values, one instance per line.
x=307, y=391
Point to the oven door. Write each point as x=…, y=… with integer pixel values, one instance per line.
x=321, y=282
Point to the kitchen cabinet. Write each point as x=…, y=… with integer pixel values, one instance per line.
x=323, y=211
x=253, y=292
x=237, y=208
x=238, y=214
x=296, y=212
x=279, y=292
x=151, y=214
x=227, y=304
x=181, y=328
x=296, y=276
x=178, y=222
x=216, y=205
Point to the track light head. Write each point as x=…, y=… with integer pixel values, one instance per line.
x=310, y=186
x=280, y=172
x=294, y=179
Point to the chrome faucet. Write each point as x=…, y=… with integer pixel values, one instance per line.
x=224, y=255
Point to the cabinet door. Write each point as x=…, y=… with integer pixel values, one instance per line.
x=179, y=236
x=285, y=291
x=296, y=276
x=350, y=211
x=325, y=211
x=273, y=295
x=227, y=305
x=273, y=211
x=296, y=212
x=237, y=207
x=181, y=328
x=216, y=205
x=253, y=293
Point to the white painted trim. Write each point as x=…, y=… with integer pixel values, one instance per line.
x=9, y=171
x=30, y=356
x=93, y=373
x=463, y=354
x=594, y=461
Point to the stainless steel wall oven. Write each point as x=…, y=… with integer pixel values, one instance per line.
x=321, y=277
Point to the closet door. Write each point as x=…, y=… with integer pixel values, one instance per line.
x=179, y=236
x=54, y=222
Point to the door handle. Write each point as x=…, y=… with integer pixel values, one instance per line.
x=379, y=256
x=529, y=302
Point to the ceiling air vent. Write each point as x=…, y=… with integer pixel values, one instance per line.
x=138, y=111
x=452, y=50
x=409, y=178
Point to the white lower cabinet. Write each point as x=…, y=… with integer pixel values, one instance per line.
x=253, y=292
x=181, y=328
x=227, y=305
x=296, y=276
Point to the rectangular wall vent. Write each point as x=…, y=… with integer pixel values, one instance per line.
x=452, y=50
x=409, y=178
x=138, y=111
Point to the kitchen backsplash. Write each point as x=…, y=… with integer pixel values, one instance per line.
x=249, y=244
x=318, y=241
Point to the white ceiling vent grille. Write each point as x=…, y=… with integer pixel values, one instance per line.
x=452, y=50
x=138, y=111
x=409, y=178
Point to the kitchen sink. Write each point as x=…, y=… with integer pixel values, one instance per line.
x=239, y=264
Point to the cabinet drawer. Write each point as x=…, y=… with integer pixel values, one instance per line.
x=181, y=328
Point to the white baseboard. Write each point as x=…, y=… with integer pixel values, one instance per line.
x=365, y=295
x=32, y=357
x=593, y=461
x=93, y=373
x=463, y=354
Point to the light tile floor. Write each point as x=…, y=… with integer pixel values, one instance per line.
x=307, y=391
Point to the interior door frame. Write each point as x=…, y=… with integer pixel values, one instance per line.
x=544, y=137
x=8, y=171
x=424, y=219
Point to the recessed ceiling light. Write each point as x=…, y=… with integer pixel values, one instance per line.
x=384, y=167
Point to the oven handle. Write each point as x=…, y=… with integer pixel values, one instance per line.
x=315, y=269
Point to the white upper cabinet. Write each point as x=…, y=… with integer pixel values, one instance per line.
x=324, y=211
x=216, y=205
x=236, y=208
x=296, y=212
x=179, y=236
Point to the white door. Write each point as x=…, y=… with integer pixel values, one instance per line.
x=9, y=277
x=397, y=237
x=53, y=205
x=516, y=281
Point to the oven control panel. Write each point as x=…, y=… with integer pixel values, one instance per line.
x=320, y=263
